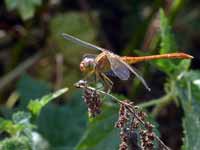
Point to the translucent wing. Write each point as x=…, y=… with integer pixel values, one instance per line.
x=81, y=43
x=121, y=69
x=89, y=56
x=118, y=68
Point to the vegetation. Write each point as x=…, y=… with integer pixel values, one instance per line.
x=38, y=112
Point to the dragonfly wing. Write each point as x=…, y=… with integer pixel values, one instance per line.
x=110, y=73
x=81, y=43
x=117, y=59
x=118, y=68
x=89, y=56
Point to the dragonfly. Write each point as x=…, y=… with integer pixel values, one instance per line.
x=108, y=61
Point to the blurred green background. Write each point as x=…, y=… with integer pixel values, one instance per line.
x=35, y=60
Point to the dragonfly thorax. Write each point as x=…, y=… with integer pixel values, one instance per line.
x=87, y=64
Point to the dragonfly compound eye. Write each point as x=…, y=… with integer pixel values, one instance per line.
x=82, y=67
x=87, y=64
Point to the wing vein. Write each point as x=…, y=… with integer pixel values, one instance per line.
x=81, y=43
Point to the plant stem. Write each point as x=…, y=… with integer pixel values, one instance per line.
x=132, y=110
x=155, y=101
x=8, y=78
x=167, y=99
x=129, y=107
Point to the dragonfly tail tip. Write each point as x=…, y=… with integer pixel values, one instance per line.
x=191, y=57
x=149, y=89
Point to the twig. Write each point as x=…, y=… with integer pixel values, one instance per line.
x=132, y=110
x=59, y=70
x=158, y=101
x=8, y=78
x=129, y=107
x=12, y=99
x=167, y=99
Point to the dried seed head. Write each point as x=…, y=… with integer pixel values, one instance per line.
x=142, y=115
x=92, y=99
x=124, y=139
x=149, y=126
x=123, y=146
x=124, y=135
x=123, y=117
x=147, y=137
x=135, y=124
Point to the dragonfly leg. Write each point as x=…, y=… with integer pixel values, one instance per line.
x=90, y=80
x=88, y=76
x=108, y=83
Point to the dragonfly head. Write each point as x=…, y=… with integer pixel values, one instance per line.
x=87, y=64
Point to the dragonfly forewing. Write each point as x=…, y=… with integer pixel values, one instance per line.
x=82, y=43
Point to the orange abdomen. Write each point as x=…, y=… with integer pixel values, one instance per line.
x=133, y=60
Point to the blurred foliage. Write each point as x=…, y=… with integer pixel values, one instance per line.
x=104, y=126
x=35, y=106
x=65, y=123
x=21, y=126
x=168, y=42
x=30, y=88
x=188, y=91
x=15, y=143
x=35, y=26
x=9, y=127
x=167, y=45
x=108, y=136
x=26, y=8
x=79, y=25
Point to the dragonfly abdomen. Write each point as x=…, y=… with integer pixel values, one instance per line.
x=133, y=60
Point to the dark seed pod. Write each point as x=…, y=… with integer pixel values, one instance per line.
x=92, y=99
x=123, y=117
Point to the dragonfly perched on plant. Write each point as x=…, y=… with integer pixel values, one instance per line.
x=120, y=65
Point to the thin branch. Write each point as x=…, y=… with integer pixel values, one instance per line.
x=156, y=101
x=132, y=110
x=8, y=78
x=59, y=70
x=129, y=107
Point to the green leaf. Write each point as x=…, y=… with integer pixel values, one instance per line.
x=168, y=42
x=175, y=8
x=191, y=125
x=15, y=143
x=11, y=4
x=30, y=88
x=111, y=141
x=26, y=8
x=35, y=106
x=23, y=119
x=20, y=124
x=100, y=132
x=63, y=125
x=188, y=91
x=168, y=45
x=9, y=127
x=183, y=65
